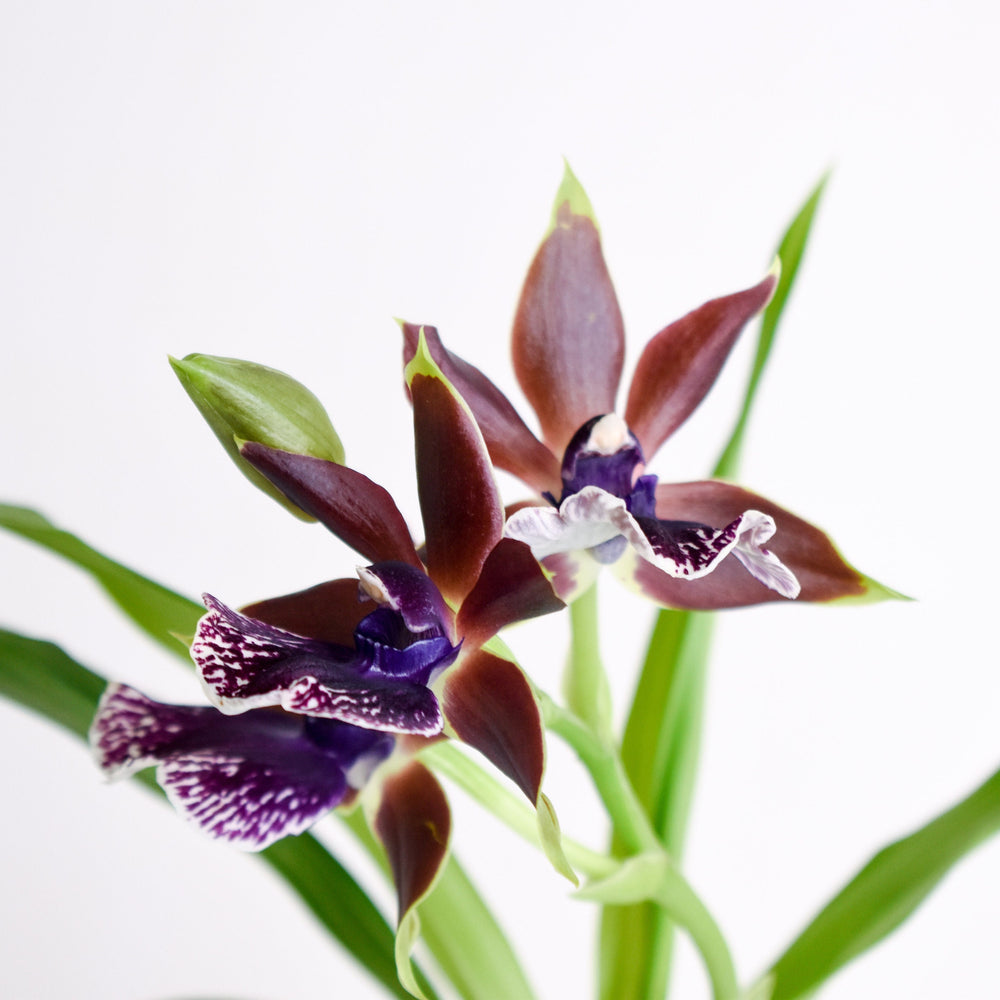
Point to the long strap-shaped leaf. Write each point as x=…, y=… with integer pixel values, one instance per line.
x=636, y=941
x=158, y=611
x=884, y=893
x=42, y=677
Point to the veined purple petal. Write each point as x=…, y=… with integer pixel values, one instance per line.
x=413, y=822
x=490, y=705
x=249, y=780
x=679, y=365
x=807, y=552
x=355, y=509
x=408, y=591
x=459, y=502
x=689, y=550
x=245, y=664
x=568, y=339
x=511, y=445
x=512, y=587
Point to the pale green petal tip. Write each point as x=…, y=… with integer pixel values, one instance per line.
x=422, y=363
x=635, y=880
x=551, y=838
x=570, y=194
x=874, y=592
x=406, y=938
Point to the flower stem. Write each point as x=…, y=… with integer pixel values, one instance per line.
x=585, y=683
x=604, y=764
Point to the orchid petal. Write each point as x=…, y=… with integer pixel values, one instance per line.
x=246, y=664
x=408, y=591
x=250, y=780
x=582, y=521
x=413, y=822
x=511, y=588
x=510, y=443
x=680, y=364
x=805, y=550
x=490, y=705
x=329, y=611
x=459, y=502
x=568, y=339
x=357, y=510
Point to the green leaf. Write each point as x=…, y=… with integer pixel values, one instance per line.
x=42, y=677
x=159, y=612
x=885, y=892
x=244, y=401
x=636, y=941
x=790, y=252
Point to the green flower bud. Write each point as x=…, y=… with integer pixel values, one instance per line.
x=243, y=401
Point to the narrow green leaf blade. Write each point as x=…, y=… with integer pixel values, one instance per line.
x=159, y=612
x=43, y=678
x=790, y=251
x=885, y=892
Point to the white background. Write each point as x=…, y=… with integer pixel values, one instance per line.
x=276, y=182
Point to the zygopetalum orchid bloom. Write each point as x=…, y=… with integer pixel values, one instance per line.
x=285, y=749
x=670, y=541
x=467, y=582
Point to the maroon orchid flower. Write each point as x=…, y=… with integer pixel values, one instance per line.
x=670, y=541
x=474, y=582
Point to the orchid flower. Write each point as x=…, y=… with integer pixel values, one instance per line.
x=669, y=541
x=466, y=583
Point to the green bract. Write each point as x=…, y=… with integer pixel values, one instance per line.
x=243, y=401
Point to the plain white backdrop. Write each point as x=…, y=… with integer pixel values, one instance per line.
x=276, y=182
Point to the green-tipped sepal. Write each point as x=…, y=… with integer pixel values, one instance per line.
x=243, y=401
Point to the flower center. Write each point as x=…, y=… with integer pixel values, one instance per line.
x=606, y=454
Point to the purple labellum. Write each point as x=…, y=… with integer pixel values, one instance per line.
x=248, y=780
x=608, y=504
x=380, y=684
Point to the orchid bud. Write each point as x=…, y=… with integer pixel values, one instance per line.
x=243, y=401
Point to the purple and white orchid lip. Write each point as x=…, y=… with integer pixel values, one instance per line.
x=380, y=683
x=249, y=780
x=593, y=517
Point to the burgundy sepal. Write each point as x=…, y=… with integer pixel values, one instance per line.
x=512, y=587
x=358, y=511
x=490, y=705
x=329, y=611
x=414, y=824
x=511, y=445
x=459, y=503
x=680, y=364
x=568, y=337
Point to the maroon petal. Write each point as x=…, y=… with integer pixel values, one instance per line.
x=511, y=444
x=461, y=509
x=511, y=588
x=329, y=611
x=568, y=339
x=680, y=364
x=414, y=823
x=802, y=547
x=490, y=705
x=355, y=509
